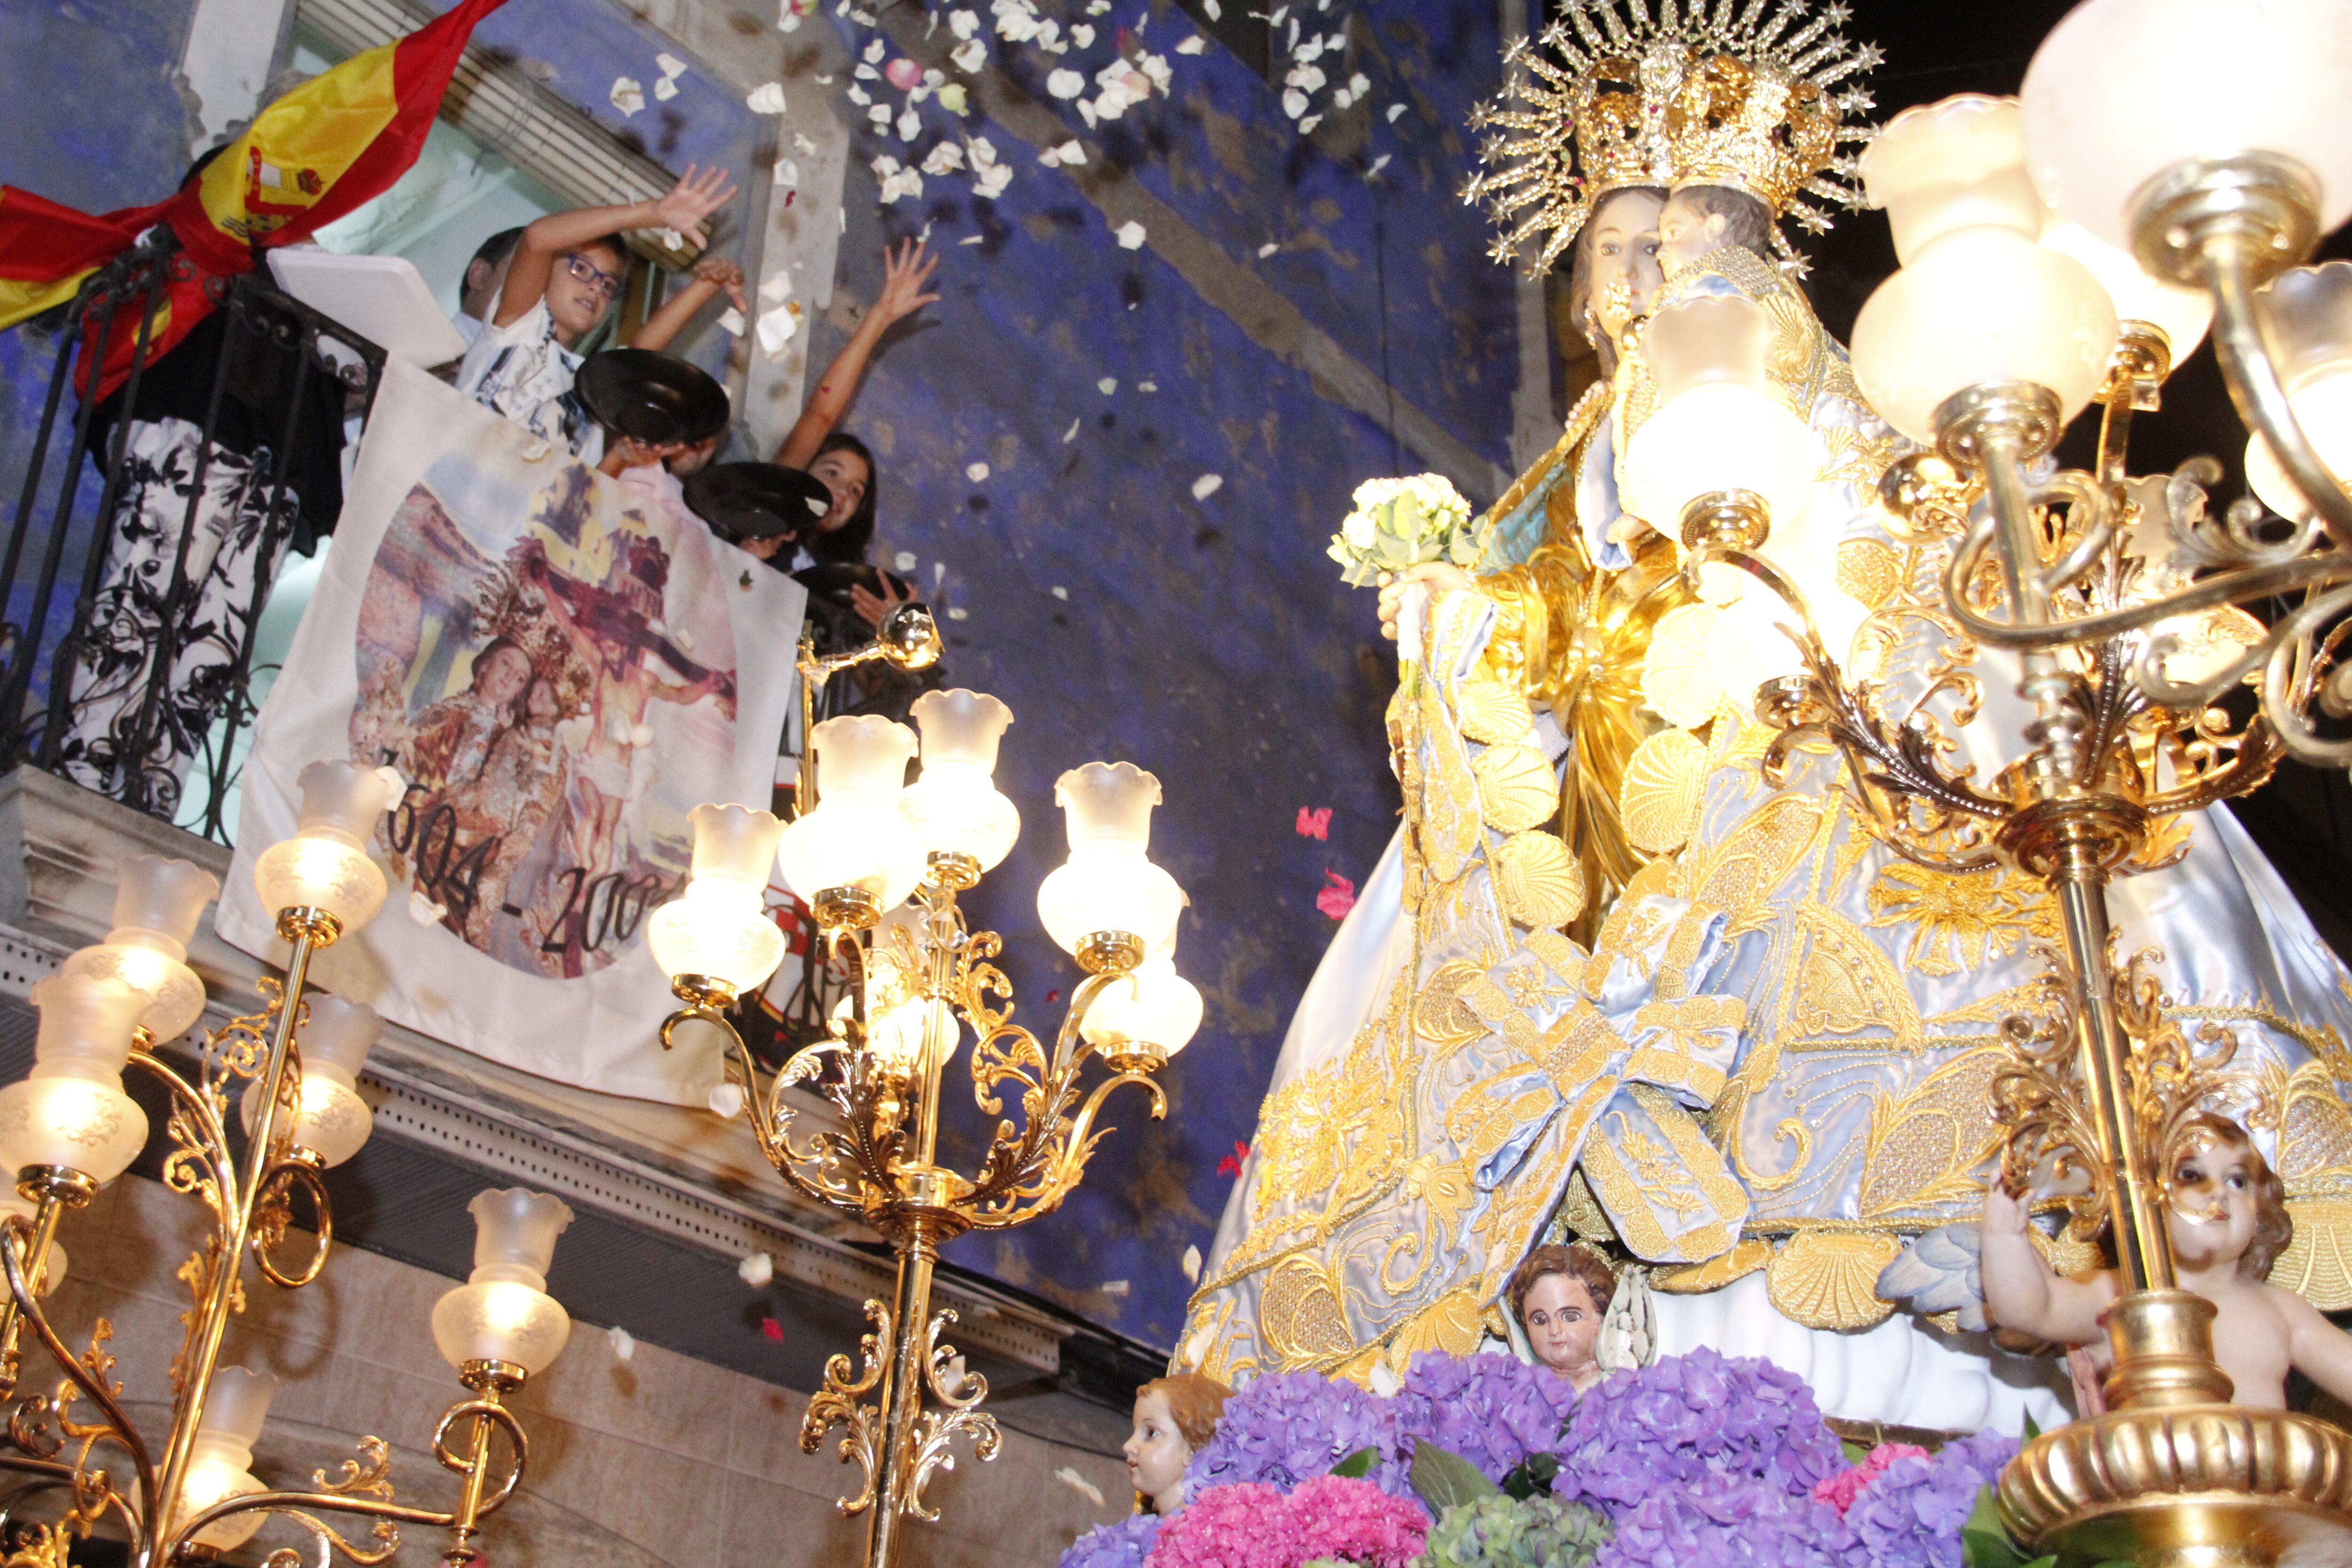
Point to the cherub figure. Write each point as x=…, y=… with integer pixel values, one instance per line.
x=1174, y=1419
x=1560, y=1295
x=2229, y=1222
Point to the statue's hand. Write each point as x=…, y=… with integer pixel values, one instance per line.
x=1440, y=577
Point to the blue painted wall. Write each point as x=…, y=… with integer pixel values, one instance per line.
x=1210, y=641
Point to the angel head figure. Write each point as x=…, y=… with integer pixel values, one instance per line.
x=1560, y=1295
x=1174, y=1419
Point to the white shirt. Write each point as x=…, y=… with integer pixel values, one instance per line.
x=522, y=372
x=468, y=327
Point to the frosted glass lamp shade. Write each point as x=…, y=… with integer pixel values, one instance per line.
x=1942, y=167
x=960, y=726
x=331, y=1120
x=220, y=1459
x=1718, y=436
x=857, y=837
x=503, y=1311
x=719, y=928
x=71, y=1111
x=1980, y=306
x=157, y=903
x=2123, y=90
x=735, y=842
x=2182, y=315
x=912, y=1036
x=53, y=1272
x=325, y=865
x=2309, y=312
x=1109, y=886
x=1108, y=802
x=1153, y=1007
x=956, y=806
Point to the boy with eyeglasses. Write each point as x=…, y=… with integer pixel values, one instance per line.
x=567, y=272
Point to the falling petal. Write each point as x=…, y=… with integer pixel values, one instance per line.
x=771, y=1329
x=628, y=96
x=666, y=88
x=623, y=1343
x=956, y=612
x=1146, y=386
x=1268, y=249
x=1107, y=385
x=1378, y=164
x=670, y=65
x=768, y=97
x=1130, y=236
x=1316, y=824
x=757, y=1270
x=1061, y=592
x=1385, y=1383
x=905, y=561
x=1071, y=434
x=1207, y=484
x=776, y=287
x=1338, y=897
x=730, y=321
x=974, y=239
x=976, y=472
x=1114, y=1288
x=423, y=910
x=1396, y=112
x=1192, y=46
x=726, y=1099
x=1192, y=1264
x=1082, y=35
x=1066, y=83
x=1080, y=1485
x=904, y=74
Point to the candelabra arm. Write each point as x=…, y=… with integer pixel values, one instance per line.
x=90, y=1379
x=763, y=1107
x=33, y=1239
x=2243, y=344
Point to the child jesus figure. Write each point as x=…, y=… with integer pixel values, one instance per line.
x=2229, y=1222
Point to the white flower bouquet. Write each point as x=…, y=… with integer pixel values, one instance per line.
x=1399, y=524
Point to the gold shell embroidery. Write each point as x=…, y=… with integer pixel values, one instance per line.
x=1869, y=570
x=1539, y=881
x=1492, y=713
x=1666, y=780
x=1829, y=1280
x=2317, y=1264
x=1517, y=788
x=1676, y=681
x=1299, y=1312
x=1699, y=1279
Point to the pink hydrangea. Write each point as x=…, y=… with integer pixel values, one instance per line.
x=1354, y=1520
x=1244, y=1526
x=1840, y=1491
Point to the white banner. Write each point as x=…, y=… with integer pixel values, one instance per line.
x=562, y=667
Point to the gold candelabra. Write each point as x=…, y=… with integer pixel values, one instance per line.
x=70, y=1129
x=918, y=977
x=2116, y=600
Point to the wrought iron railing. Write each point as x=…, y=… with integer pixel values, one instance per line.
x=57, y=557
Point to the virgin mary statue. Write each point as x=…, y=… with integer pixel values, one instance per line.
x=1606, y=983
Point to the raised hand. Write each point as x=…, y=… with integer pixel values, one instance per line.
x=875, y=608
x=697, y=195
x=906, y=269
x=721, y=273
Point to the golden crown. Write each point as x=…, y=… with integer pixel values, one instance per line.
x=1714, y=92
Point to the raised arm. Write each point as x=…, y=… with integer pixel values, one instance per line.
x=905, y=270
x=711, y=274
x=2020, y=1289
x=694, y=198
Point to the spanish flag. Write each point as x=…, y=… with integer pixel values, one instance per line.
x=337, y=141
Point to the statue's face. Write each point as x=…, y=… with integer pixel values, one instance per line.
x=1563, y=1324
x=2212, y=1218
x=1625, y=275
x=1684, y=234
x=1157, y=1453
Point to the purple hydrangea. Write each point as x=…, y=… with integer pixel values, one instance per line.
x=1493, y=1410
x=1911, y=1516
x=1291, y=1426
x=1124, y=1544
x=1692, y=1417
x=1732, y=1522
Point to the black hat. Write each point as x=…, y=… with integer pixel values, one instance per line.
x=653, y=397
x=757, y=501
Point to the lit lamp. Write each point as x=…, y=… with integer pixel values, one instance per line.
x=332, y=1123
x=156, y=905
x=966, y=824
x=70, y=1114
x=323, y=873
x=2161, y=323
x=717, y=937
x=220, y=1459
x=1982, y=322
x=1108, y=906
x=2309, y=311
x=855, y=854
x=1722, y=458
x=501, y=1326
x=1143, y=1018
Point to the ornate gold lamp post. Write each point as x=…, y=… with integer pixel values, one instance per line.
x=855, y=856
x=70, y=1129
x=2112, y=599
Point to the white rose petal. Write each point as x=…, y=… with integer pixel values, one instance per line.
x=1071, y=434
x=776, y=287
x=1378, y=164
x=1130, y=236
x=1114, y=1288
x=976, y=472
x=963, y=24
x=757, y=1270
x=1211, y=9
x=983, y=151
x=992, y=181
x=628, y=96
x=1082, y=35
x=1061, y=592
x=768, y=97
x=670, y=65
x=874, y=51
x=801, y=140
x=956, y=612
x=1107, y=385
x=1385, y=1383
x=1309, y=123
x=1293, y=102
x=1360, y=84
x=1192, y=46
x=880, y=115
x=943, y=158
x=1192, y=1264
x=865, y=73
x=788, y=172
x=905, y=561
x=730, y=321
x=726, y=1098
x=969, y=57
x=859, y=95
x=666, y=88
x=1066, y=83
x=423, y=910
x=775, y=329
x=1396, y=112
x=974, y=239
x=1207, y=484
x=623, y=1343
x=910, y=125
x=1080, y=1485
x=1268, y=249
x=1146, y=386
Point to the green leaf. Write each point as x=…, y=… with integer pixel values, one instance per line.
x=1530, y=1476
x=2032, y=1428
x=1358, y=1465
x=1984, y=1541
x=1856, y=1453
x=1392, y=551
x=1442, y=1479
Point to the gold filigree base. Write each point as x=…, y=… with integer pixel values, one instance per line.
x=847, y=908
x=1109, y=951
x=300, y=920
x=950, y=869
x=2194, y=1485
